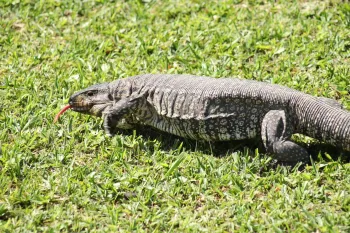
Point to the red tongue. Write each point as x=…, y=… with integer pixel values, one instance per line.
x=61, y=112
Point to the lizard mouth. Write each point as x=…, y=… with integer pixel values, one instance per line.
x=95, y=109
x=80, y=107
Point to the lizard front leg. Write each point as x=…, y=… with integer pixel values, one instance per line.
x=118, y=113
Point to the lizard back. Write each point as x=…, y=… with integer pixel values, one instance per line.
x=206, y=108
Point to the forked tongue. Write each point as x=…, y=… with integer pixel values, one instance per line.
x=61, y=112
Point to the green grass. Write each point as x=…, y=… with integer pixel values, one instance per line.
x=70, y=177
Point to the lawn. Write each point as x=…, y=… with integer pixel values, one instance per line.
x=70, y=177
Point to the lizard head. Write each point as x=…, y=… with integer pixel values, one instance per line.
x=92, y=100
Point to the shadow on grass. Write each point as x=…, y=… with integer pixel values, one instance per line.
x=223, y=148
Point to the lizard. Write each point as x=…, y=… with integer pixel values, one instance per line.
x=217, y=109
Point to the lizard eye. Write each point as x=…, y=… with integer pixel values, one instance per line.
x=90, y=93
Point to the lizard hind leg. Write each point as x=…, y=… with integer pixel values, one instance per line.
x=276, y=132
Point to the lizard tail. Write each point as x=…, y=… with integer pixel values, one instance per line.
x=323, y=121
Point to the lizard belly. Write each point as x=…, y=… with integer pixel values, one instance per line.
x=212, y=119
x=215, y=128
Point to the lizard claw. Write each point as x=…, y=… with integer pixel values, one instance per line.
x=107, y=127
x=108, y=130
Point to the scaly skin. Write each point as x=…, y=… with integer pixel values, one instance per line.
x=204, y=108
